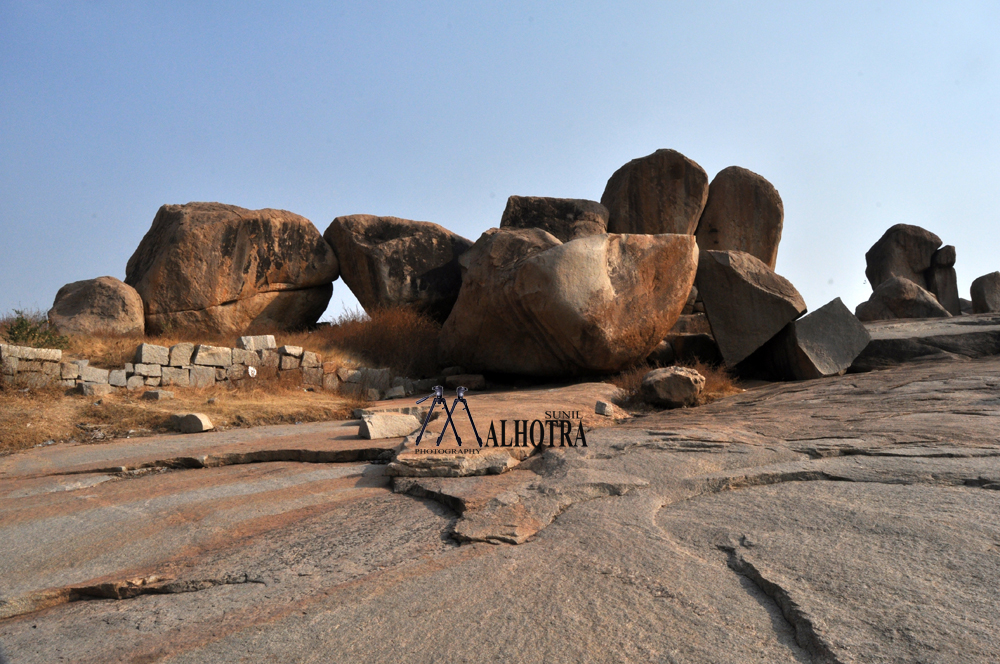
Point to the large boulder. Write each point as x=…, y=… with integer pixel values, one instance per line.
x=899, y=297
x=565, y=218
x=942, y=280
x=745, y=301
x=986, y=293
x=533, y=305
x=902, y=251
x=387, y=262
x=664, y=192
x=215, y=268
x=822, y=343
x=98, y=306
x=743, y=213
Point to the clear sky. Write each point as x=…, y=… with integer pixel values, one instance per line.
x=862, y=114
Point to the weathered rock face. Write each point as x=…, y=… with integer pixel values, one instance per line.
x=746, y=302
x=823, y=343
x=986, y=293
x=566, y=218
x=900, y=298
x=532, y=305
x=97, y=306
x=224, y=269
x=743, y=213
x=903, y=251
x=673, y=387
x=387, y=261
x=664, y=192
x=942, y=280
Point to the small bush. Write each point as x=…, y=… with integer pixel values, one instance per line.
x=32, y=328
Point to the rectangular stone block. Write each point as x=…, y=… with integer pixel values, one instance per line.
x=175, y=376
x=180, y=354
x=67, y=383
x=247, y=358
x=148, y=370
x=28, y=366
x=269, y=358
x=34, y=380
x=129, y=368
x=117, y=378
x=212, y=356
x=258, y=342
x=294, y=351
x=28, y=353
x=9, y=365
x=153, y=381
x=150, y=354
x=134, y=383
x=311, y=360
x=312, y=376
x=348, y=375
x=69, y=371
x=289, y=362
x=236, y=372
x=94, y=389
x=331, y=382
x=202, y=376
x=90, y=374
x=51, y=369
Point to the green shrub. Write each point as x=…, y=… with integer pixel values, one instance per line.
x=32, y=329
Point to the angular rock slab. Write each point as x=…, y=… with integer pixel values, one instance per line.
x=746, y=303
x=673, y=387
x=375, y=426
x=103, y=305
x=565, y=218
x=986, y=293
x=531, y=305
x=664, y=192
x=898, y=297
x=902, y=251
x=823, y=343
x=224, y=269
x=387, y=262
x=897, y=342
x=743, y=213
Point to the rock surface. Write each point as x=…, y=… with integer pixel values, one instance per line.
x=565, y=218
x=664, y=192
x=532, y=305
x=743, y=213
x=746, y=302
x=672, y=387
x=898, y=297
x=986, y=293
x=222, y=269
x=388, y=262
x=903, y=251
x=897, y=342
x=98, y=306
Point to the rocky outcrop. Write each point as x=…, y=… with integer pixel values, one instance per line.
x=533, y=305
x=743, y=213
x=664, y=192
x=389, y=262
x=902, y=251
x=215, y=268
x=98, y=306
x=942, y=280
x=672, y=387
x=986, y=293
x=745, y=301
x=566, y=218
x=899, y=297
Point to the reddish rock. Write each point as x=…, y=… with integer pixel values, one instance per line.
x=98, y=306
x=743, y=213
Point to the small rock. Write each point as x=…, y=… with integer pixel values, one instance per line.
x=94, y=389
x=375, y=426
x=672, y=387
x=158, y=395
x=604, y=408
x=195, y=423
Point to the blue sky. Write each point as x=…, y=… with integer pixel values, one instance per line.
x=863, y=115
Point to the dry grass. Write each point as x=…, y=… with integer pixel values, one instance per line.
x=719, y=383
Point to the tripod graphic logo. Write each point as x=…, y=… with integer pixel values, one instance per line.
x=438, y=394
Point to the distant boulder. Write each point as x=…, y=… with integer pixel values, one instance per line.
x=566, y=218
x=899, y=297
x=942, y=280
x=223, y=269
x=664, y=192
x=986, y=293
x=903, y=251
x=98, y=306
x=387, y=261
x=743, y=213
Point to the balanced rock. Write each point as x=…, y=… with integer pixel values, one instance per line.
x=98, y=306
x=565, y=218
x=746, y=303
x=673, y=387
x=900, y=298
x=222, y=269
x=664, y=192
x=902, y=251
x=986, y=293
x=387, y=261
x=942, y=280
x=533, y=305
x=823, y=343
x=375, y=426
x=743, y=213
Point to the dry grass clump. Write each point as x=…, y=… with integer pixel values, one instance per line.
x=719, y=383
